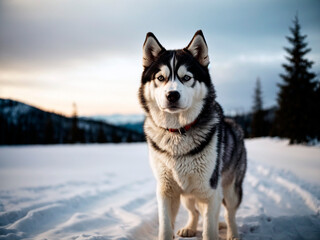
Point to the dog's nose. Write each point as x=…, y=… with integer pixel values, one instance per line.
x=173, y=96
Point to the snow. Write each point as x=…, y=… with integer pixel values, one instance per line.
x=107, y=191
x=302, y=160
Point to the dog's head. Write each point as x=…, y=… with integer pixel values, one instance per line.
x=175, y=83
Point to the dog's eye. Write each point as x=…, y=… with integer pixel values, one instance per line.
x=160, y=78
x=186, y=78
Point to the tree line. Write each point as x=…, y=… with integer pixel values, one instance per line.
x=297, y=115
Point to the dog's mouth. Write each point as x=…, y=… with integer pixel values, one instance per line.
x=172, y=109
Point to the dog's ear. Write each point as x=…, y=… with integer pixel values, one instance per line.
x=199, y=49
x=151, y=49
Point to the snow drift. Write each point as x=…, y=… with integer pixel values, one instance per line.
x=108, y=192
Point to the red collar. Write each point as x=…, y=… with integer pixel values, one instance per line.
x=183, y=129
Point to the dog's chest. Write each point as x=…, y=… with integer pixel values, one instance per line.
x=192, y=175
x=188, y=183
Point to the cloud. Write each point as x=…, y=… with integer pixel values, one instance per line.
x=53, y=32
x=234, y=80
x=58, y=43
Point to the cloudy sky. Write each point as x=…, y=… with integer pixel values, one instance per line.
x=54, y=53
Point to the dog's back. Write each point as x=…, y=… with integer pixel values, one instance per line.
x=234, y=160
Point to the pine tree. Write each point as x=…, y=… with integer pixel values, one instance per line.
x=257, y=125
x=257, y=97
x=116, y=136
x=296, y=97
x=101, y=134
x=49, y=130
x=317, y=112
x=74, y=127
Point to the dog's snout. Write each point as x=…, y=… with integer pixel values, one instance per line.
x=173, y=96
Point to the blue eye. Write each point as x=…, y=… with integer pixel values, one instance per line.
x=186, y=78
x=160, y=78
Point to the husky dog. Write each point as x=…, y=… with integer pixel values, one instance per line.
x=197, y=156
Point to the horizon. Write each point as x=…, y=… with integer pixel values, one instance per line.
x=227, y=114
x=54, y=54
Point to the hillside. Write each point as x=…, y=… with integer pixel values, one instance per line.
x=24, y=124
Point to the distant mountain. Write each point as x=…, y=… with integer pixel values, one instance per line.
x=128, y=121
x=118, y=119
x=24, y=124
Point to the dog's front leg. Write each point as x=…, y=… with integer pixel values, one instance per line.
x=210, y=209
x=168, y=205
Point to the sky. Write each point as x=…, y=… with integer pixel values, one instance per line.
x=55, y=52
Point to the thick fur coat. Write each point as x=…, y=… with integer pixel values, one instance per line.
x=197, y=156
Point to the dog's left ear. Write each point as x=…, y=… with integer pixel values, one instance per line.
x=199, y=49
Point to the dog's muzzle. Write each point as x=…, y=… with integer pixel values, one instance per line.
x=173, y=96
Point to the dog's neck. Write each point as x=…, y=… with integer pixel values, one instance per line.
x=174, y=120
x=183, y=129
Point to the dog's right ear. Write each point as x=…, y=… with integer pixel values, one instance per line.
x=151, y=49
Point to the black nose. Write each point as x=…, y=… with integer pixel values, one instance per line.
x=173, y=96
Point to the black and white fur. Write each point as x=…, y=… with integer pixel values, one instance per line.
x=204, y=166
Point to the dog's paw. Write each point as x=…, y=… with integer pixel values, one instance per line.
x=222, y=225
x=233, y=238
x=186, y=232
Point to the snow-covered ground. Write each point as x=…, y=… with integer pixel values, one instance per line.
x=108, y=192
